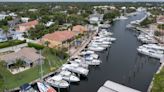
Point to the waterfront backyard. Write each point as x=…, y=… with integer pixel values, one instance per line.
x=52, y=62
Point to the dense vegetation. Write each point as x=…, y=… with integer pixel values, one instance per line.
x=161, y=26
x=11, y=43
x=148, y=21
x=111, y=15
x=36, y=46
x=158, y=82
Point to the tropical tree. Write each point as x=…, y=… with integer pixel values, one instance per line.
x=5, y=30
x=47, y=43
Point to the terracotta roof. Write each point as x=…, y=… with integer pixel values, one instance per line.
x=160, y=19
x=79, y=28
x=27, y=54
x=60, y=36
x=31, y=23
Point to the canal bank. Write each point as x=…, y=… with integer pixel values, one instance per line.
x=121, y=63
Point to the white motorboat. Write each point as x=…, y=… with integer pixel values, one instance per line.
x=96, y=48
x=93, y=62
x=79, y=63
x=154, y=46
x=150, y=52
x=44, y=87
x=57, y=81
x=76, y=69
x=68, y=76
x=123, y=18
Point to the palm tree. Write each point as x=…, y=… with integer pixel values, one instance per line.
x=5, y=30
x=47, y=43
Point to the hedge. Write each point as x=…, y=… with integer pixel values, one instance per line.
x=36, y=46
x=11, y=43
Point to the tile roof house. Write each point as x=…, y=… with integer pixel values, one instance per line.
x=58, y=38
x=160, y=20
x=26, y=26
x=79, y=29
x=29, y=55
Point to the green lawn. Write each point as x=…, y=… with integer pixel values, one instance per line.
x=12, y=81
x=158, y=83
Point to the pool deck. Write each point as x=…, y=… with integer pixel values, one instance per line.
x=110, y=86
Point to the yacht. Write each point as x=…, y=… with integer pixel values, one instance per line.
x=76, y=69
x=57, y=81
x=79, y=62
x=96, y=48
x=123, y=18
x=151, y=52
x=154, y=46
x=93, y=62
x=68, y=76
x=44, y=87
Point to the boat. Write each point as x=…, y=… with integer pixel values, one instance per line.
x=150, y=52
x=154, y=46
x=93, y=62
x=27, y=88
x=57, y=81
x=79, y=62
x=68, y=76
x=123, y=18
x=44, y=87
x=76, y=69
x=96, y=48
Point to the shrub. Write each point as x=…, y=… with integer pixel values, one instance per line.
x=11, y=43
x=36, y=46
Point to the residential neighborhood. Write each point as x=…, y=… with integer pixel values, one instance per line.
x=74, y=46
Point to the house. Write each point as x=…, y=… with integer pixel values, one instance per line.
x=26, y=26
x=25, y=19
x=95, y=18
x=79, y=29
x=13, y=22
x=28, y=55
x=49, y=23
x=58, y=38
x=3, y=16
x=33, y=10
x=160, y=19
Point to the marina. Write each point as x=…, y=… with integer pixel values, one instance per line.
x=121, y=63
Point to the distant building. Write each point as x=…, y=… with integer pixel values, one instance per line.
x=28, y=55
x=33, y=10
x=26, y=26
x=58, y=38
x=79, y=29
x=95, y=18
x=25, y=19
x=14, y=22
x=3, y=16
x=160, y=19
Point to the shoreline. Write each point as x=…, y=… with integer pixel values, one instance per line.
x=158, y=71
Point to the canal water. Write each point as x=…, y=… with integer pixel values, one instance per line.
x=121, y=62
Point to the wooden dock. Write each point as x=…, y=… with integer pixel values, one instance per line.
x=110, y=86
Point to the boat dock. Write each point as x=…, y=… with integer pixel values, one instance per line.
x=110, y=86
